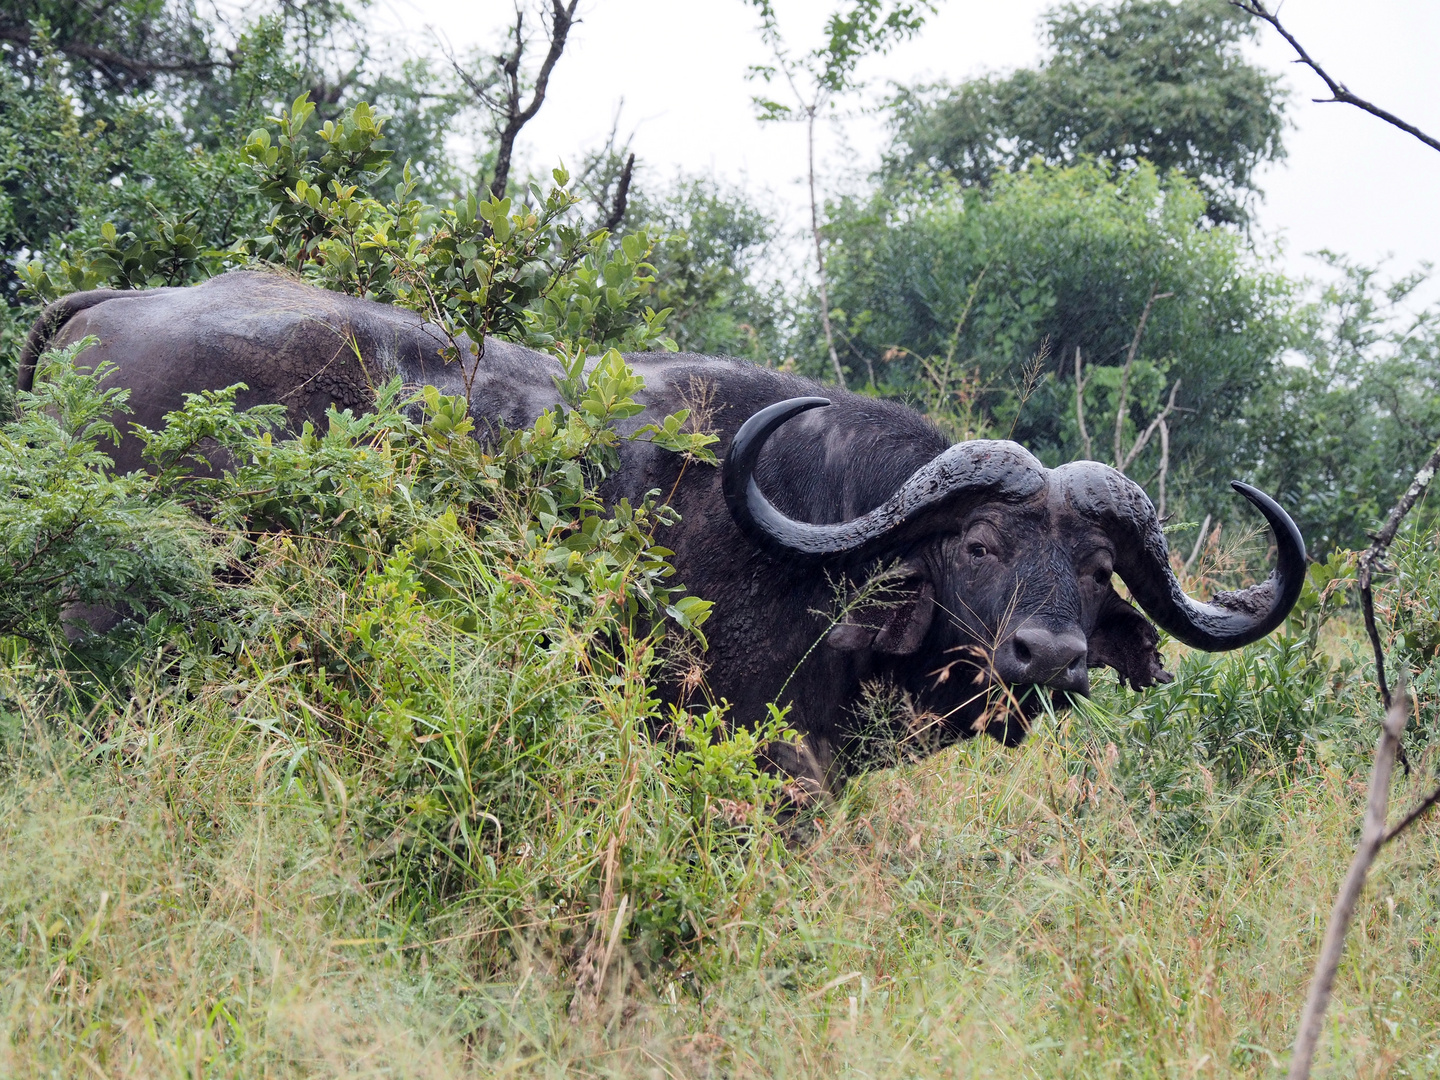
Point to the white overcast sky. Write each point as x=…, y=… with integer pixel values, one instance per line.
x=1351, y=182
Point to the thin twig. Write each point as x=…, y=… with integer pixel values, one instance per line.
x=1130, y=362
x=1339, y=92
x=812, y=109
x=1199, y=543
x=1164, y=459
x=1421, y=809
x=1372, y=836
x=1143, y=439
x=1085, y=446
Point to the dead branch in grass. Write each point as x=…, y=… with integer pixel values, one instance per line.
x=1372, y=838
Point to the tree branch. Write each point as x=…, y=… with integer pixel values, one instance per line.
x=1339, y=92
x=1164, y=455
x=1129, y=363
x=562, y=18
x=622, y=197
x=94, y=54
x=1199, y=543
x=1375, y=555
x=1372, y=837
x=1143, y=439
x=811, y=110
x=1421, y=809
x=1085, y=446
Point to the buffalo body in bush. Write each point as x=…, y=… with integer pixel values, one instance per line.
x=997, y=572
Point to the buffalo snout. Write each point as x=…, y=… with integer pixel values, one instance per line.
x=1036, y=656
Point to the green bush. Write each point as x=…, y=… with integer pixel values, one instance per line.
x=453, y=640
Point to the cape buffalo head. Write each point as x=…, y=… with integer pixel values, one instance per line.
x=1001, y=579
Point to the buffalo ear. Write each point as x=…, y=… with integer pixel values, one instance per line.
x=897, y=629
x=907, y=623
x=1123, y=639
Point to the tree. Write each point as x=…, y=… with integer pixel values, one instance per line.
x=119, y=48
x=714, y=267
x=991, y=291
x=500, y=84
x=1139, y=79
x=1339, y=434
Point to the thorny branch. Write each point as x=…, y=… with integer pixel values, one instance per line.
x=1339, y=92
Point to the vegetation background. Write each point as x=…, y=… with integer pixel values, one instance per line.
x=372, y=781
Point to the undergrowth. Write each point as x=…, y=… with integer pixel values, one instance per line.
x=381, y=787
x=177, y=899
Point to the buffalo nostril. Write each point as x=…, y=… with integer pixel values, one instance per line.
x=1039, y=656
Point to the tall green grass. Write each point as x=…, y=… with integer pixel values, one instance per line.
x=373, y=781
x=177, y=901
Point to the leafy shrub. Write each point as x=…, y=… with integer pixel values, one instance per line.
x=71, y=533
x=453, y=639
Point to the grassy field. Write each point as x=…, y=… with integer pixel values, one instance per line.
x=174, y=903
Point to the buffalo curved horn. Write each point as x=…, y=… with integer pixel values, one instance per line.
x=981, y=468
x=1229, y=620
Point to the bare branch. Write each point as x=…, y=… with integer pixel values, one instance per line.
x=1199, y=543
x=1372, y=836
x=811, y=111
x=1421, y=809
x=511, y=117
x=94, y=54
x=1086, y=448
x=1130, y=363
x=1143, y=439
x=1339, y=92
x=1370, y=561
x=1164, y=458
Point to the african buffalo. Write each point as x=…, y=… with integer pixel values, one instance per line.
x=998, y=580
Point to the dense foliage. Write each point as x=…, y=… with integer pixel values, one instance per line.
x=959, y=294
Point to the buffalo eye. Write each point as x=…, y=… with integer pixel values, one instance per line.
x=1102, y=576
x=978, y=551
